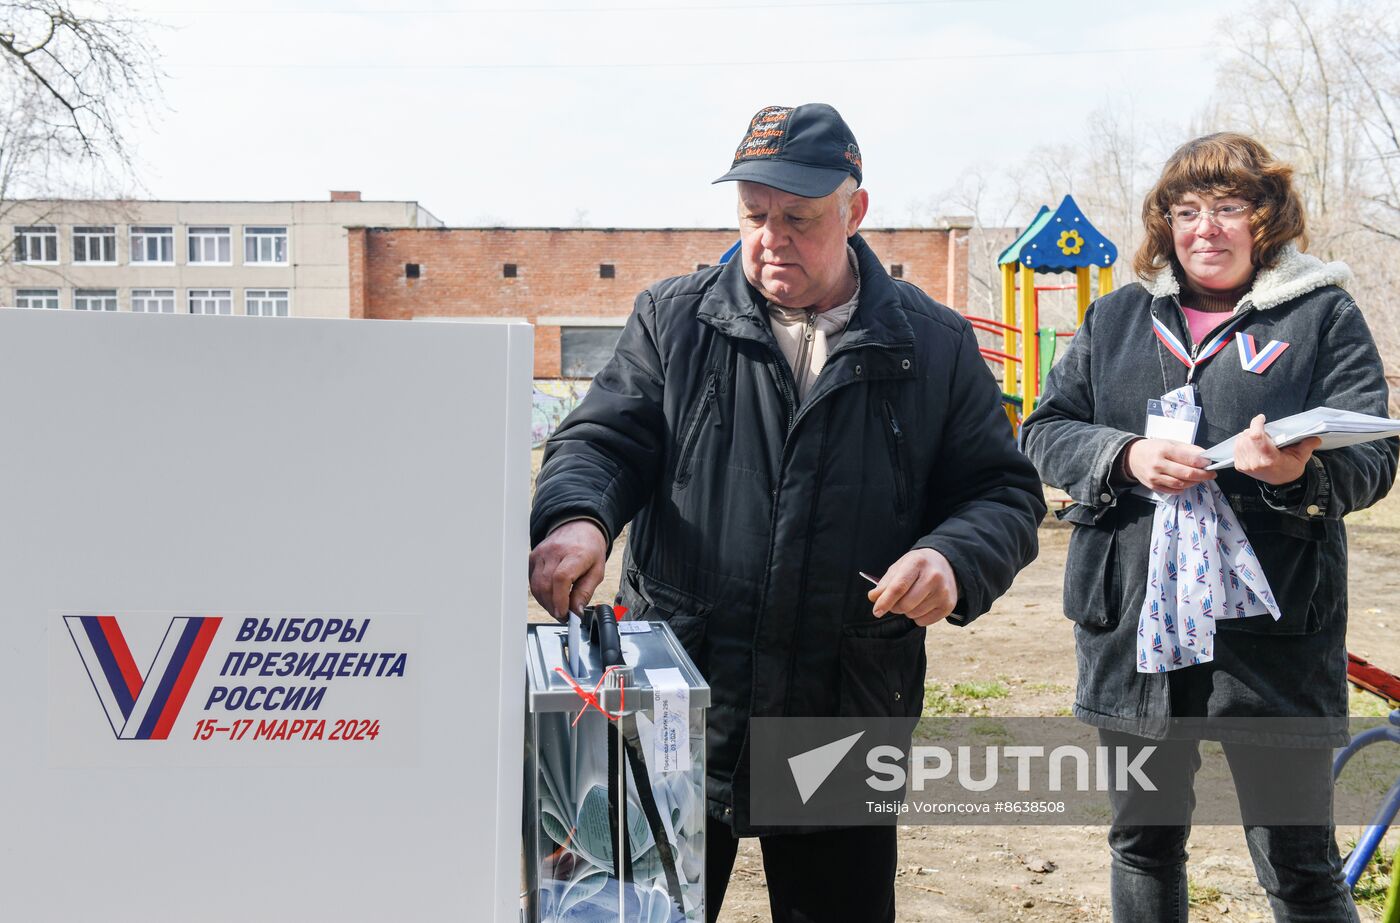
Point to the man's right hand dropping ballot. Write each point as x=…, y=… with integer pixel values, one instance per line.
x=567, y=567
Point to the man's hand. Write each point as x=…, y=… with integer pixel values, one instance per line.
x=1165, y=466
x=1257, y=456
x=920, y=585
x=567, y=567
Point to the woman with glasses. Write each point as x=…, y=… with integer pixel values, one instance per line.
x=1212, y=604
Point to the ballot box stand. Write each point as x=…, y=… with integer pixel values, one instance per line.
x=573, y=815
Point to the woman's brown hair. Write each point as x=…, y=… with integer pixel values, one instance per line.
x=1219, y=165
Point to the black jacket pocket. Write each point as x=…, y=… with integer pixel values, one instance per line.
x=1093, y=577
x=654, y=600
x=882, y=669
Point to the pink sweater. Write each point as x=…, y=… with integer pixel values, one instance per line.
x=1203, y=322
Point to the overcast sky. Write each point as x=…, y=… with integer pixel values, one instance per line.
x=620, y=112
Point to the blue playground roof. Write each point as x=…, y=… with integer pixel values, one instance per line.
x=1060, y=241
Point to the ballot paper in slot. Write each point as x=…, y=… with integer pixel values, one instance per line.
x=569, y=837
x=1336, y=428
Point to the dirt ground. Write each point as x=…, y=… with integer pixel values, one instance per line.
x=996, y=667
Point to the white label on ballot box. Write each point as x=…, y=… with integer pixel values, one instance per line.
x=671, y=701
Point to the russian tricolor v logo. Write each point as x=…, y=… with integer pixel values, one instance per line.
x=141, y=707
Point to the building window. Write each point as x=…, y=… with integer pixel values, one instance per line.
x=94, y=245
x=265, y=245
x=508, y=271
x=583, y=351
x=152, y=245
x=897, y=270
x=412, y=270
x=153, y=300
x=209, y=246
x=95, y=299
x=36, y=244
x=266, y=302
x=211, y=301
x=37, y=298
x=607, y=271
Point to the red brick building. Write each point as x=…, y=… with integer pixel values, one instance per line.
x=577, y=285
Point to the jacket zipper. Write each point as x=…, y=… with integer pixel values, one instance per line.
x=692, y=434
x=896, y=444
x=804, y=349
x=1196, y=347
x=789, y=388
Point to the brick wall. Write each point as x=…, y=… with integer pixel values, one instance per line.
x=461, y=272
x=356, y=271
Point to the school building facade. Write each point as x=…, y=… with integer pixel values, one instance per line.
x=577, y=285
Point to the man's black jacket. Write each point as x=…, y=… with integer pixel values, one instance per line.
x=752, y=513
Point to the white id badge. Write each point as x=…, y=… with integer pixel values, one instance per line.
x=1172, y=420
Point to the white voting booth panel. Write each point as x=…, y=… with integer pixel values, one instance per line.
x=262, y=609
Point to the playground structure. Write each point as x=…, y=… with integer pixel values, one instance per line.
x=1056, y=241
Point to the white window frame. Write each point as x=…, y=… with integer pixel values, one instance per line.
x=24, y=298
x=200, y=300
x=39, y=232
x=205, y=233
x=85, y=236
x=260, y=238
x=153, y=300
x=267, y=301
x=141, y=234
x=83, y=299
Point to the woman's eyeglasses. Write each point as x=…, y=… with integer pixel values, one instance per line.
x=1184, y=218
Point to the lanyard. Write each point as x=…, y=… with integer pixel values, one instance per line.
x=1203, y=353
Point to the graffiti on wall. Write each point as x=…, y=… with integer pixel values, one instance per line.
x=553, y=401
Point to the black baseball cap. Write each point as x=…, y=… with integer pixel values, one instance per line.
x=808, y=151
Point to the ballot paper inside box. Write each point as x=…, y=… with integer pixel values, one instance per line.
x=570, y=837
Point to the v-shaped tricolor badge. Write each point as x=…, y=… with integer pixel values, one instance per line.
x=142, y=707
x=1256, y=360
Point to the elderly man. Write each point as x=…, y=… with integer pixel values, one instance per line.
x=771, y=428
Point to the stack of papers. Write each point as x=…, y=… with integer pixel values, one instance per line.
x=1336, y=428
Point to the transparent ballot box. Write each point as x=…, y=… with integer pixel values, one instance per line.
x=614, y=767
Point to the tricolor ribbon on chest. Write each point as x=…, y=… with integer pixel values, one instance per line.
x=1256, y=360
x=1183, y=355
x=1252, y=357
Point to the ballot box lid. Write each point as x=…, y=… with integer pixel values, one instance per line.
x=645, y=646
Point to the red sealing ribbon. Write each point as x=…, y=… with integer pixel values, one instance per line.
x=591, y=697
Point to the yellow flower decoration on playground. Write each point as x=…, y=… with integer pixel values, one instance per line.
x=1070, y=243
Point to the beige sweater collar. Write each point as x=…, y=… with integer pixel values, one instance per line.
x=808, y=337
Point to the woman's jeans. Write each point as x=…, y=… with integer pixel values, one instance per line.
x=1298, y=866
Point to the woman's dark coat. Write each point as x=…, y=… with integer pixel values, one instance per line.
x=1291, y=671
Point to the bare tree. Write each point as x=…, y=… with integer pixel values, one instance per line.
x=84, y=76
x=1317, y=83
x=74, y=84
x=1320, y=86
x=995, y=202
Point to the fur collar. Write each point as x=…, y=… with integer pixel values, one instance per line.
x=1292, y=275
